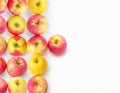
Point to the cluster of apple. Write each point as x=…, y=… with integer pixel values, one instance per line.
x=37, y=45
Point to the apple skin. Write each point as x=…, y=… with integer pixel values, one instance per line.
x=17, y=7
x=16, y=66
x=37, y=6
x=17, y=45
x=37, y=24
x=3, y=6
x=37, y=64
x=17, y=85
x=16, y=25
x=37, y=84
x=3, y=65
x=37, y=45
x=3, y=85
x=3, y=45
x=2, y=25
x=57, y=44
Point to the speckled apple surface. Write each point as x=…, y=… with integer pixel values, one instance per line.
x=56, y=65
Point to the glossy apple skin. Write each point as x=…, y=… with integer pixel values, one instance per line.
x=37, y=24
x=3, y=86
x=3, y=6
x=17, y=7
x=37, y=6
x=17, y=85
x=17, y=45
x=16, y=25
x=3, y=45
x=57, y=44
x=3, y=65
x=37, y=84
x=37, y=64
x=16, y=66
x=37, y=45
x=2, y=25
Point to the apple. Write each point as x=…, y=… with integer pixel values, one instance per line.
x=37, y=64
x=57, y=44
x=16, y=66
x=3, y=65
x=17, y=45
x=37, y=45
x=16, y=25
x=3, y=85
x=17, y=85
x=3, y=45
x=2, y=25
x=37, y=6
x=3, y=6
x=37, y=24
x=37, y=84
x=17, y=7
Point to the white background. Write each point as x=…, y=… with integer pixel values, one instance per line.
x=92, y=61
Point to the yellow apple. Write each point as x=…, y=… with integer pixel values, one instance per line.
x=37, y=6
x=17, y=45
x=37, y=64
x=17, y=85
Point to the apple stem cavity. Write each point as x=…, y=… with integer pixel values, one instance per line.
x=36, y=83
x=16, y=25
x=37, y=23
x=36, y=61
x=18, y=63
x=16, y=45
x=38, y=4
x=17, y=6
x=17, y=82
x=56, y=41
x=36, y=44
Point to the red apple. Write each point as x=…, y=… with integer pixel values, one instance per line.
x=3, y=6
x=17, y=45
x=57, y=44
x=16, y=66
x=37, y=24
x=3, y=65
x=17, y=7
x=37, y=84
x=37, y=45
x=2, y=25
x=3, y=86
x=3, y=45
x=16, y=25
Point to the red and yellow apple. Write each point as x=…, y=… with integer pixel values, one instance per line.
x=37, y=6
x=2, y=25
x=3, y=85
x=17, y=45
x=57, y=44
x=37, y=64
x=3, y=45
x=3, y=65
x=37, y=84
x=37, y=24
x=37, y=45
x=16, y=25
x=17, y=85
x=3, y=6
x=16, y=66
x=17, y=7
